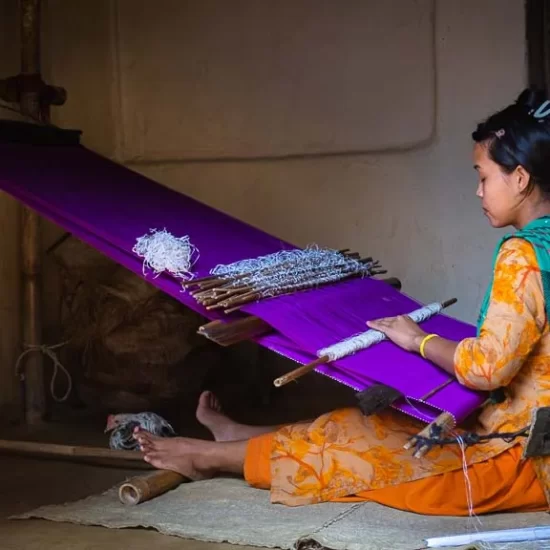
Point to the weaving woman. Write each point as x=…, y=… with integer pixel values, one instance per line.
x=345, y=456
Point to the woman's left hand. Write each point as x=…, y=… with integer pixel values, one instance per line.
x=401, y=330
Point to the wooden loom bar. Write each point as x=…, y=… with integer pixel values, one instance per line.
x=35, y=399
x=34, y=98
x=227, y=334
x=323, y=360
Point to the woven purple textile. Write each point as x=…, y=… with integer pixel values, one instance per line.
x=110, y=206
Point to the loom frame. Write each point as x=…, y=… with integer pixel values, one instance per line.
x=35, y=98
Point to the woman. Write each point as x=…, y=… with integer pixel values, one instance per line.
x=345, y=456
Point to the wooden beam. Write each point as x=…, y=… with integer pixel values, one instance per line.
x=35, y=397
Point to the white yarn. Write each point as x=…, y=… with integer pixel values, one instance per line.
x=162, y=251
x=475, y=522
x=467, y=483
x=291, y=270
x=311, y=254
x=364, y=340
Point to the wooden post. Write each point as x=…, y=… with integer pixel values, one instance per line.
x=35, y=399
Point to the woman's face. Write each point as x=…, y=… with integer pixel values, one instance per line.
x=499, y=192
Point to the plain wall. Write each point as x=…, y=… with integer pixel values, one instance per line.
x=414, y=210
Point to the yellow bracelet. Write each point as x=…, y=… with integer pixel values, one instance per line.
x=424, y=342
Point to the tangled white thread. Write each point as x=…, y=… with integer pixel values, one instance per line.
x=364, y=340
x=161, y=251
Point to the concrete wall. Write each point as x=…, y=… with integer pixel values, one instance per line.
x=244, y=108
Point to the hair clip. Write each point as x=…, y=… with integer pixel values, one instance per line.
x=500, y=133
x=541, y=112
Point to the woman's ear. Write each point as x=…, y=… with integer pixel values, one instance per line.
x=523, y=179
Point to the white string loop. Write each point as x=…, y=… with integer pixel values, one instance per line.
x=58, y=367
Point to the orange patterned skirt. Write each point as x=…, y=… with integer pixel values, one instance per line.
x=501, y=484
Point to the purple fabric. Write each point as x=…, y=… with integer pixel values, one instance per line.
x=110, y=206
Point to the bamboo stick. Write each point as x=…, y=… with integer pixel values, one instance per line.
x=199, y=281
x=299, y=372
x=143, y=488
x=235, y=305
x=240, y=300
x=437, y=388
x=74, y=452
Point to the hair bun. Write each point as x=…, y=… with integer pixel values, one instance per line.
x=531, y=98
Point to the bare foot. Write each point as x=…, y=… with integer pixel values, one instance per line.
x=192, y=458
x=210, y=415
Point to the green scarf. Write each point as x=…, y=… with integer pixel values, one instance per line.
x=537, y=233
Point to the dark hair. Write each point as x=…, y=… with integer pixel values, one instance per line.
x=520, y=135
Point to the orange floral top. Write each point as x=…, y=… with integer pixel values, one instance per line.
x=343, y=452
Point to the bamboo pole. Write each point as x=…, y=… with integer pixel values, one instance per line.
x=142, y=488
x=132, y=459
x=35, y=399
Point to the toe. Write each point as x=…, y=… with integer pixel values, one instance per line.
x=146, y=439
x=145, y=447
x=157, y=460
x=204, y=398
x=215, y=403
x=152, y=458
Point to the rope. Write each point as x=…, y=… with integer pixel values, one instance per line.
x=57, y=367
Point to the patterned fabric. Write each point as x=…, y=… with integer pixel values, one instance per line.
x=343, y=452
x=536, y=233
x=505, y=483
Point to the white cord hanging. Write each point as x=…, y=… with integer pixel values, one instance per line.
x=57, y=368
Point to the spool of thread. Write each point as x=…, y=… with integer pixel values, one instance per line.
x=143, y=488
